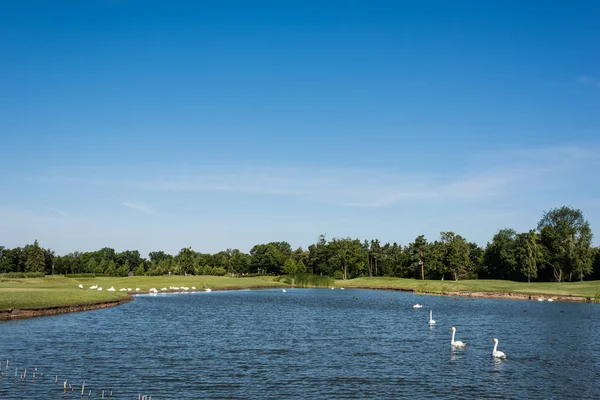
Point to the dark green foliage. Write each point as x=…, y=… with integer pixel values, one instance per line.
x=560, y=249
x=19, y=275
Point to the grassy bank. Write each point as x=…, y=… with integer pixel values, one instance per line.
x=54, y=291
x=589, y=289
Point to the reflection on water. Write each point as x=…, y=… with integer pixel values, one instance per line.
x=308, y=343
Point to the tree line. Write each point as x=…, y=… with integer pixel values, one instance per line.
x=558, y=249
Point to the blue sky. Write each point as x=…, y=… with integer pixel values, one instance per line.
x=213, y=124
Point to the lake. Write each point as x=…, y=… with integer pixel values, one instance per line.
x=308, y=344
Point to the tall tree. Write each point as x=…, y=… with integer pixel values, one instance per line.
x=36, y=260
x=348, y=256
x=528, y=254
x=456, y=254
x=186, y=260
x=567, y=237
x=416, y=255
x=318, y=257
x=500, y=255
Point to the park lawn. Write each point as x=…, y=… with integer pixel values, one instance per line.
x=583, y=289
x=54, y=291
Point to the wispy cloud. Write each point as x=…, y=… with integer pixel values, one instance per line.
x=57, y=211
x=507, y=172
x=588, y=80
x=141, y=207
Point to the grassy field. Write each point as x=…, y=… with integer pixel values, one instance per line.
x=58, y=291
x=584, y=289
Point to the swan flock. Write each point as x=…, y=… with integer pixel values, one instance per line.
x=457, y=343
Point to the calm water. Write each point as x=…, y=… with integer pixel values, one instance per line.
x=308, y=343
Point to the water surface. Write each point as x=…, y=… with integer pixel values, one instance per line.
x=309, y=344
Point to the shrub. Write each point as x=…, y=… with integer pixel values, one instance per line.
x=16, y=275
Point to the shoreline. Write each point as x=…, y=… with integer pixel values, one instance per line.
x=489, y=295
x=25, y=313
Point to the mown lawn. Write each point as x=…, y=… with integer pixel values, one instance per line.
x=59, y=291
x=584, y=289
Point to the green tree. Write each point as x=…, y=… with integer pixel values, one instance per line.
x=186, y=260
x=416, y=252
x=348, y=256
x=567, y=237
x=500, y=255
x=318, y=257
x=35, y=258
x=529, y=254
x=268, y=258
x=140, y=270
x=456, y=254
x=476, y=257
x=111, y=268
x=124, y=269
x=290, y=267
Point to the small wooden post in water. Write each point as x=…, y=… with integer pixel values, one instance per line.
x=65, y=386
x=82, y=388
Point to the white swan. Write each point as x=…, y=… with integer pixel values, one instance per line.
x=111, y=289
x=457, y=343
x=80, y=286
x=283, y=290
x=417, y=305
x=497, y=353
x=431, y=321
x=94, y=287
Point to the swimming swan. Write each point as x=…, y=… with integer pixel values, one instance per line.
x=431, y=321
x=417, y=305
x=457, y=343
x=497, y=353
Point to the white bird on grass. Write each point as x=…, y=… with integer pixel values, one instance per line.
x=94, y=287
x=456, y=343
x=497, y=353
x=110, y=289
x=80, y=286
x=99, y=288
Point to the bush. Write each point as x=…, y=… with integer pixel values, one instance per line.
x=338, y=275
x=17, y=275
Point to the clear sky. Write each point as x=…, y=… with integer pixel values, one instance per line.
x=157, y=125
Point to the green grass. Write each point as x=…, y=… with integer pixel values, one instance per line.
x=583, y=289
x=60, y=291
